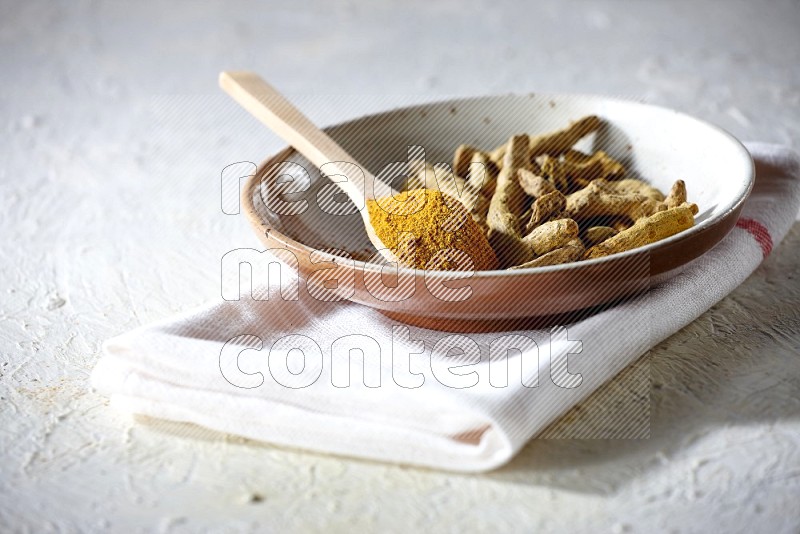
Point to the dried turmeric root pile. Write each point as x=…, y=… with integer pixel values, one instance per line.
x=541, y=202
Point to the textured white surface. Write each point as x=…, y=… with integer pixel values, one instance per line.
x=114, y=135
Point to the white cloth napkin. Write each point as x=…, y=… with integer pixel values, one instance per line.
x=177, y=369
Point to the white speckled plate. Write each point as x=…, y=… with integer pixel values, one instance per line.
x=659, y=145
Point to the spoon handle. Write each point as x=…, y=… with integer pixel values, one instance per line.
x=270, y=107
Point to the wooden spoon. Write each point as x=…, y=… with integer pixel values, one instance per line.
x=270, y=107
x=440, y=223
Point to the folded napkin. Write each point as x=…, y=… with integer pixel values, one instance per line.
x=206, y=367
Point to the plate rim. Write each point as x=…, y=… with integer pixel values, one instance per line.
x=246, y=197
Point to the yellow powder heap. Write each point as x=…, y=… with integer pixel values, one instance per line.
x=416, y=225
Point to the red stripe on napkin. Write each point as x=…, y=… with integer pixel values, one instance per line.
x=759, y=232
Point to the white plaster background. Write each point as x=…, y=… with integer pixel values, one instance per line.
x=113, y=135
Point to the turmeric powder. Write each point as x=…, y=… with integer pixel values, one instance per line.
x=427, y=222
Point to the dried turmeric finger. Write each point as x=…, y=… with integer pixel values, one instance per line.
x=575, y=242
x=447, y=182
x=551, y=235
x=570, y=252
x=473, y=197
x=422, y=176
x=498, y=154
x=583, y=168
x=557, y=143
x=554, y=143
x=598, y=234
x=645, y=231
x=526, y=215
x=546, y=208
x=486, y=182
x=595, y=200
x=533, y=184
x=632, y=185
x=621, y=223
x=677, y=195
x=507, y=204
x=462, y=159
x=555, y=173
x=439, y=177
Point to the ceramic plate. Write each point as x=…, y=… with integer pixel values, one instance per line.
x=657, y=144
